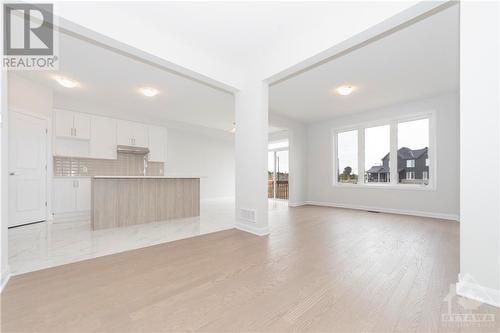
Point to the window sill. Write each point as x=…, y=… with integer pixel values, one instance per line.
x=404, y=187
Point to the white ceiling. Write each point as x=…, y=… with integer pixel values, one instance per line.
x=231, y=40
x=419, y=61
x=111, y=81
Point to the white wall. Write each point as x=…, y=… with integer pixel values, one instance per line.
x=480, y=148
x=208, y=156
x=4, y=261
x=27, y=95
x=444, y=201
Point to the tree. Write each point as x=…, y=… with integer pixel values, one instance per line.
x=347, y=173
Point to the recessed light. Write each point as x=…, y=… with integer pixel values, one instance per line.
x=149, y=92
x=345, y=90
x=65, y=82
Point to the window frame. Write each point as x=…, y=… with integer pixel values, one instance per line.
x=412, y=164
x=394, y=179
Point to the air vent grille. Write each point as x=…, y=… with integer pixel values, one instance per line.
x=247, y=214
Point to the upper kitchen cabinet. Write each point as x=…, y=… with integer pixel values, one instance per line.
x=103, y=138
x=69, y=124
x=132, y=134
x=157, y=143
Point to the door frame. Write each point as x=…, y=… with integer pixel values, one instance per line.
x=48, y=158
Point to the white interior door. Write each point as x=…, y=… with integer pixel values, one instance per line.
x=27, y=169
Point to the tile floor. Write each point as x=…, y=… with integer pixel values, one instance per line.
x=44, y=245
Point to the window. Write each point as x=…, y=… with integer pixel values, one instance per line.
x=397, y=151
x=413, y=145
x=377, y=149
x=347, y=157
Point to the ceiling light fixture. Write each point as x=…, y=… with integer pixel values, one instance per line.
x=149, y=92
x=345, y=90
x=65, y=82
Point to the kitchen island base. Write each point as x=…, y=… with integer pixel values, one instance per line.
x=123, y=201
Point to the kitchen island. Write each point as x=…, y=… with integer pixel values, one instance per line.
x=119, y=201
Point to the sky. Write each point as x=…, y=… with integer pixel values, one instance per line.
x=282, y=156
x=411, y=134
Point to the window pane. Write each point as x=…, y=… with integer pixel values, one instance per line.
x=377, y=149
x=347, y=157
x=413, y=143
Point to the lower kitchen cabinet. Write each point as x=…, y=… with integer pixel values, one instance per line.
x=71, y=197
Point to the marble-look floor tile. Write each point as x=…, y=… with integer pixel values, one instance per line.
x=45, y=245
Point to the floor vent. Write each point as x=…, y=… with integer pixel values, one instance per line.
x=247, y=214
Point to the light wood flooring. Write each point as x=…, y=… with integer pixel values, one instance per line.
x=321, y=269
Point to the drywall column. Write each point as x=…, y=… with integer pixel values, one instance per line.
x=251, y=108
x=479, y=152
x=4, y=267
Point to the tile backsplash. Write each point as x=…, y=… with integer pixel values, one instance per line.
x=124, y=165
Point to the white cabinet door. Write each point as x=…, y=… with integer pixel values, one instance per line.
x=103, y=138
x=125, y=133
x=81, y=124
x=141, y=138
x=83, y=195
x=157, y=143
x=64, y=195
x=63, y=123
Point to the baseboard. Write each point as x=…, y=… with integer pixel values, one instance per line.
x=296, y=204
x=452, y=217
x=262, y=231
x=477, y=292
x=4, y=278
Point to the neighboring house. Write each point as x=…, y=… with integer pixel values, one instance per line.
x=413, y=167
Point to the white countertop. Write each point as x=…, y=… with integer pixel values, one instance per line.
x=147, y=177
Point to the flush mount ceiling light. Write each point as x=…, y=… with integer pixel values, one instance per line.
x=148, y=91
x=345, y=90
x=65, y=82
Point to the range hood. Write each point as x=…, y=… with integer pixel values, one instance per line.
x=132, y=150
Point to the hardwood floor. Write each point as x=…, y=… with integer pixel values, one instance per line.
x=321, y=269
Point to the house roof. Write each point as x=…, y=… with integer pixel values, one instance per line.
x=409, y=154
x=378, y=169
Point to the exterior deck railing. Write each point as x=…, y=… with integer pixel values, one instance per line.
x=281, y=189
